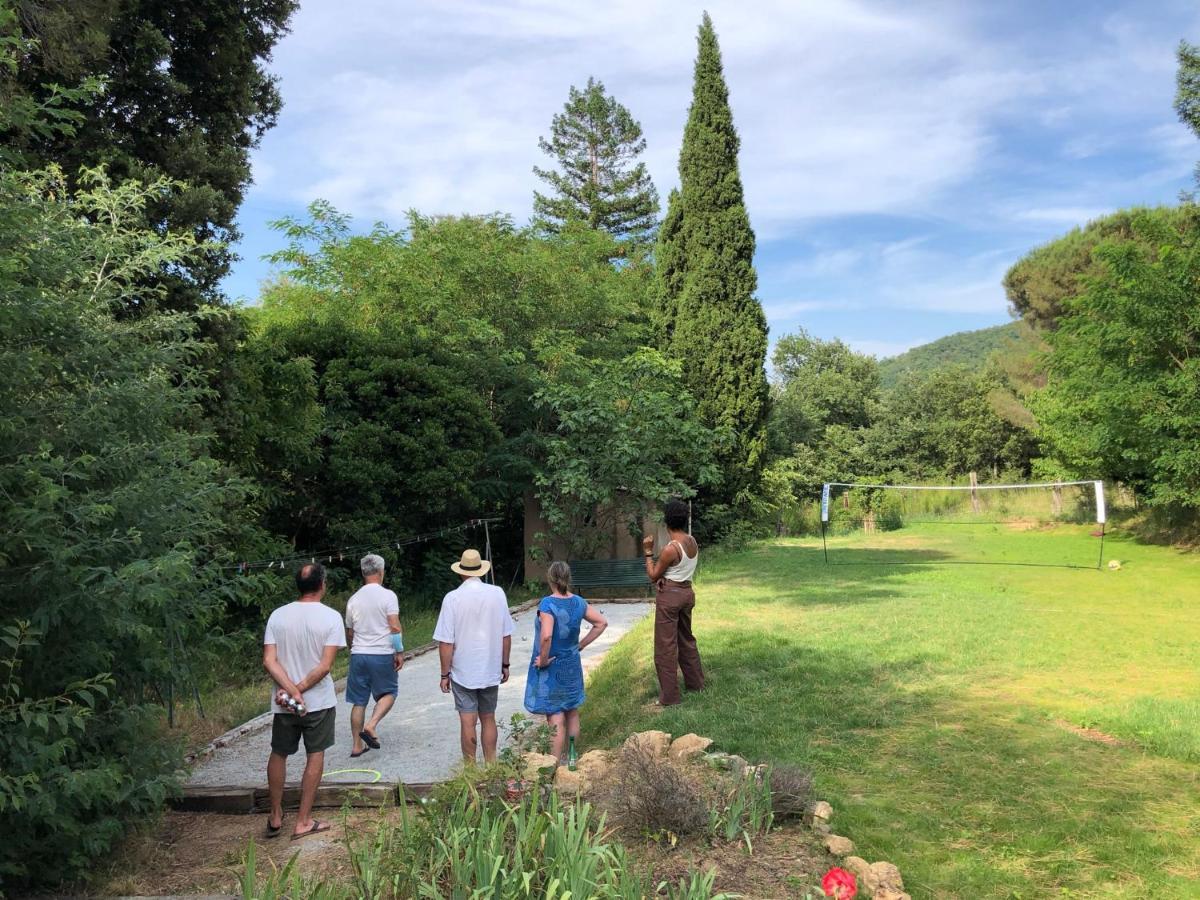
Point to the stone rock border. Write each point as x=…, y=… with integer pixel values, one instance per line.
x=878, y=880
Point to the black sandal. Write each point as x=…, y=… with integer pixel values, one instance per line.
x=273, y=830
x=318, y=828
x=369, y=739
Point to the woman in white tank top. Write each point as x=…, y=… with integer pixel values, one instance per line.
x=674, y=644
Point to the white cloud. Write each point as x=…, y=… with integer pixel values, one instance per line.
x=919, y=114
x=1068, y=216
x=441, y=107
x=818, y=263
x=910, y=274
x=884, y=349
x=785, y=310
x=982, y=296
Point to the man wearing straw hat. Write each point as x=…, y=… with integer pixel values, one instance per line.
x=474, y=633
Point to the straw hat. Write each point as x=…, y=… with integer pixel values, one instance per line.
x=471, y=564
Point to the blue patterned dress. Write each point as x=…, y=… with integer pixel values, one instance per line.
x=558, y=687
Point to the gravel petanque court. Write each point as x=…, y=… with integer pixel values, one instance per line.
x=419, y=736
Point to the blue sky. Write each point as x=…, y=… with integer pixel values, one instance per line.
x=897, y=157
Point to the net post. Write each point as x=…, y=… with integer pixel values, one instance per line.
x=1102, y=518
x=824, y=518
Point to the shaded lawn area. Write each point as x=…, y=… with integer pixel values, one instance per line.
x=995, y=731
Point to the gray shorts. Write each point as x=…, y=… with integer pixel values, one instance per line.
x=475, y=700
x=316, y=728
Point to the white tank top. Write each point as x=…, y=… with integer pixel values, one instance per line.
x=685, y=568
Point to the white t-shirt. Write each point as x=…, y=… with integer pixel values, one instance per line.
x=475, y=619
x=367, y=614
x=300, y=633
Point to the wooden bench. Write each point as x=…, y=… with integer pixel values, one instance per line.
x=610, y=573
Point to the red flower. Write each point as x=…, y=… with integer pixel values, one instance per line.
x=839, y=884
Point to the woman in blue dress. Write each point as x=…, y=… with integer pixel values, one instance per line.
x=555, y=684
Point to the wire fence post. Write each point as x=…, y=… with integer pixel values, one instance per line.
x=825, y=493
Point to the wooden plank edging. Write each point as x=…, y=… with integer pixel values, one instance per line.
x=246, y=799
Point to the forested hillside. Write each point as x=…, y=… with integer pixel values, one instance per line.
x=966, y=348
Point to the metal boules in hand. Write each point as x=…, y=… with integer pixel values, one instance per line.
x=291, y=704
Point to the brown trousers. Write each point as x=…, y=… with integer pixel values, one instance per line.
x=674, y=644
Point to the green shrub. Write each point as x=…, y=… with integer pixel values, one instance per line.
x=110, y=508
x=744, y=810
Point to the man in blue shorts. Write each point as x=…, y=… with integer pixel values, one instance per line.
x=376, y=653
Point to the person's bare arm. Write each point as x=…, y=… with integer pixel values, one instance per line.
x=446, y=655
x=506, y=650
x=278, y=674
x=596, y=618
x=394, y=625
x=296, y=689
x=669, y=557
x=323, y=668
x=544, y=635
x=349, y=637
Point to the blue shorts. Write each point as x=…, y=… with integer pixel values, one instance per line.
x=371, y=675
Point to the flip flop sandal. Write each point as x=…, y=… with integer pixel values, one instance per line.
x=317, y=828
x=354, y=755
x=369, y=739
x=273, y=830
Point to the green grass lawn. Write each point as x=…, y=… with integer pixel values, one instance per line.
x=995, y=731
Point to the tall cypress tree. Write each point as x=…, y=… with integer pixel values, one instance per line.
x=595, y=142
x=711, y=319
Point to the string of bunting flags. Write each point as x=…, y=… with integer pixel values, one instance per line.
x=328, y=555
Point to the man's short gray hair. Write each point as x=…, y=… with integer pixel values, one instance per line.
x=372, y=564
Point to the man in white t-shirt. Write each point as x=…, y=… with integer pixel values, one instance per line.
x=376, y=653
x=301, y=641
x=474, y=633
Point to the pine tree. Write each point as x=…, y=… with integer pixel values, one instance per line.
x=595, y=142
x=1187, y=90
x=711, y=319
x=185, y=94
